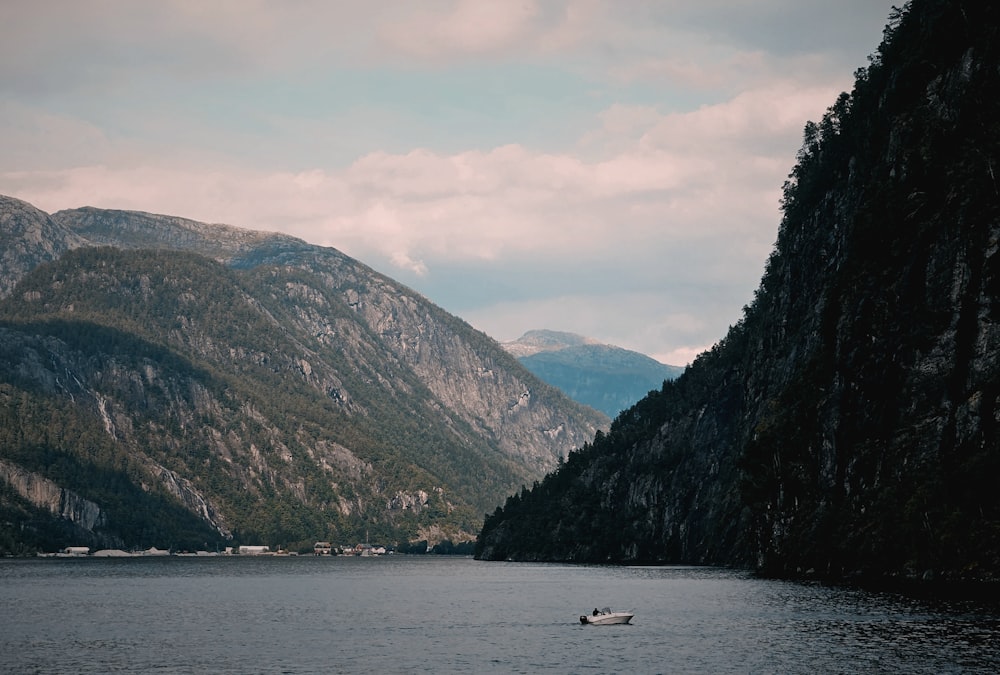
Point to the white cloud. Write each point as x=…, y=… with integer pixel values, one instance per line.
x=670, y=192
x=758, y=120
x=465, y=27
x=673, y=178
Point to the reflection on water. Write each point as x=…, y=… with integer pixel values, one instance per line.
x=417, y=614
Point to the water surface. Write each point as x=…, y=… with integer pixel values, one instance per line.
x=443, y=614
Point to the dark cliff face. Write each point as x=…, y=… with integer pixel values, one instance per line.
x=848, y=423
x=193, y=381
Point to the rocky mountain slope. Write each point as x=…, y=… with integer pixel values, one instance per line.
x=192, y=383
x=847, y=426
x=604, y=377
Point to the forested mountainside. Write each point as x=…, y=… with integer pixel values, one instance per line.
x=604, y=377
x=847, y=424
x=169, y=383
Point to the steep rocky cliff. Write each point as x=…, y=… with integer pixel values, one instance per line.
x=28, y=237
x=59, y=501
x=847, y=424
x=271, y=389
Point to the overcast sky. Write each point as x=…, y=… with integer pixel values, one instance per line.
x=610, y=168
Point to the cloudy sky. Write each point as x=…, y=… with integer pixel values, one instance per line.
x=605, y=167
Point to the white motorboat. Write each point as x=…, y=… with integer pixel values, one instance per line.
x=606, y=616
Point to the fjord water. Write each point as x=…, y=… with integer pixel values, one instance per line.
x=444, y=614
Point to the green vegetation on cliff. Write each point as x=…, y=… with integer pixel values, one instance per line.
x=174, y=401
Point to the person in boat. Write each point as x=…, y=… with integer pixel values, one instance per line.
x=595, y=611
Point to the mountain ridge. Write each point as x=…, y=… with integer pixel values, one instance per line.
x=544, y=340
x=318, y=396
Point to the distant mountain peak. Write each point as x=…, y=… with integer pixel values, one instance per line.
x=544, y=340
x=605, y=377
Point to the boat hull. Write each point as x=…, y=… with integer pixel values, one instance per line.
x=606, y=619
